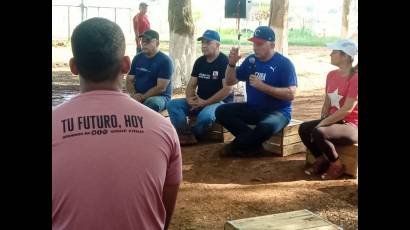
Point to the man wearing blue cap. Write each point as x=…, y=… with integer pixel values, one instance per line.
x=206, y=90
x=270, y=87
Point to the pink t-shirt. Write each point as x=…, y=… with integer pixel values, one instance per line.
x=111, y=157
x=338, y=88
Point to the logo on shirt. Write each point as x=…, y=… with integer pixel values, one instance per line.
x=260, y=76
x=142, y=69
x=273, y=69
x=204, y=76
x=215, y=75
x=97, y=125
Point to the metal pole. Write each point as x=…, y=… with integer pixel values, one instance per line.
x=68, y=20
x=115, y=15
x=98, y=11
x=82, y=10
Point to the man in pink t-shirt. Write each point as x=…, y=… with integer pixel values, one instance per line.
x=141, y=24
x=116, y=164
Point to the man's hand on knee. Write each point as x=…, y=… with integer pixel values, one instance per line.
x=138, y=97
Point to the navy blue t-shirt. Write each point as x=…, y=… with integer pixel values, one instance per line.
x=148, y=70
x=277, y=72
x=210, y=76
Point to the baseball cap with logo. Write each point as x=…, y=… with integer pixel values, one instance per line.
x=150, y=34
x=210, y=35
x=262, y=34
x=345, y=45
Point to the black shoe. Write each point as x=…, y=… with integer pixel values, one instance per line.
x=249, y=151
x=229, y=150
x=233, y=150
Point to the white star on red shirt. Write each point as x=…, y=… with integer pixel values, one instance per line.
x=335, y=98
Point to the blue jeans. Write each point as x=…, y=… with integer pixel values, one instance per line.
x=179, y=109
x=156, y=103
x=237, y=116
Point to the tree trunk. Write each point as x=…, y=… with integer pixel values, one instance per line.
x=345, y=18
x=278, y=20
x=181, y=40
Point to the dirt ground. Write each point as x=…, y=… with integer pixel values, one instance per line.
x=215, y=189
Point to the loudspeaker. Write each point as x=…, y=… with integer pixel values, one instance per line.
x=231, y=8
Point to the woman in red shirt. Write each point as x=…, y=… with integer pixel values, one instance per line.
x=339, y=121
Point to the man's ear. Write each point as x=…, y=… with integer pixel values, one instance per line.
x=73, y=67
x=125, y=65
x=272, y=45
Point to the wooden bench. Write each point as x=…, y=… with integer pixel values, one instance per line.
x=284, y=143
x=348, y=154
x=287, y=141
x=295, y=220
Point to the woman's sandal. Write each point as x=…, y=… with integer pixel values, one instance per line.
x=318, y=167
x=333, y=172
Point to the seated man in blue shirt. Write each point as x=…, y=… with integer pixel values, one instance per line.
x=149, y=80
x=270, y=87
x=206, y=90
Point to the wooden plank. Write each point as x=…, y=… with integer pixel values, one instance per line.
x=272, y=147
x=293, y=148
x=292, y=128
x=284, y=150
x=347, y=150
x=291, y=139
x=295, y=220
x=350, y=165
x=277, y=140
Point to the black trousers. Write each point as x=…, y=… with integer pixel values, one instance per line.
x=321, y=141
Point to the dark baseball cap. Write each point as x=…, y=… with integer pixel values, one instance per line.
x=262, y=34
x=150, y=34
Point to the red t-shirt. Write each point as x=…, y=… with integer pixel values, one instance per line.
x=141, y=23
x=338, y=88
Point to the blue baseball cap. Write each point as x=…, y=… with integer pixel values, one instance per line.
x=210, y=35
x=262, y=34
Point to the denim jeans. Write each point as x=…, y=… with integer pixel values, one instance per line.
x=237, y=116
x=156, y=103
x=179, y=109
